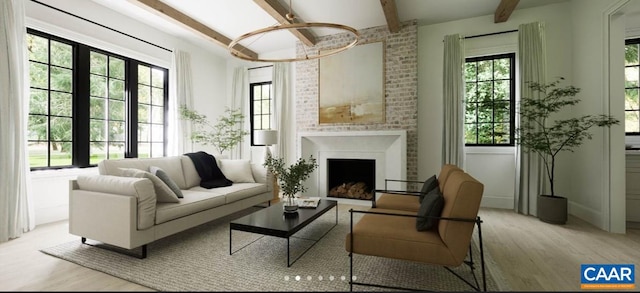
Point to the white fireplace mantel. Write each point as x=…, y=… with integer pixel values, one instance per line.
x=387, y=147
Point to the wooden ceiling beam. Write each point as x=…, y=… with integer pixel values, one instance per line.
x=165, y=10
x=504, y=10
x=279, y=13
x=391, y=14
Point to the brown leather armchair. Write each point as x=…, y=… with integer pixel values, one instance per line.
x=392, y=233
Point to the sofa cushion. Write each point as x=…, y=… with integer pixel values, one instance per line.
x=238, y=171
x=163, y=192
x=260, y=173
x=193, y=202
x=431, y=206
x=191, y=177
x=141, y=188
x=237, y=191
x=171, y=165
x=166, y=179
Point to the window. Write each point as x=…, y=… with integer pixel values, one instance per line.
x=632, y=86
x=87, y=105
x=50, y=106
x=490, y=100
x=261, y=105
x=151, y=111
x=107, y=108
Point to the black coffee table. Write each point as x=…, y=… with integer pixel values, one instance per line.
x=271, y=221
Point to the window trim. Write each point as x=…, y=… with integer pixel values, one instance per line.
x=512, y=99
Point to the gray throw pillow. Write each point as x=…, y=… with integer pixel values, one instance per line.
x=431, y=206
x=163, y=192
x=428, y=186
x=167, y=180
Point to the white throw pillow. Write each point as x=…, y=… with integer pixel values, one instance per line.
x=238, y=171
x=163, y=192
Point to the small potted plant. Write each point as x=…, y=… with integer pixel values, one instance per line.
x=537, y=134
x=291, y=179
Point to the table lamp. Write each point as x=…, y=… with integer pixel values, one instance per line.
x=266, y=137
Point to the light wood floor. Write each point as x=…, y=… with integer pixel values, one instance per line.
x=531, y=256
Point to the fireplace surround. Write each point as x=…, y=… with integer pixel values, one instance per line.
x=388, y=148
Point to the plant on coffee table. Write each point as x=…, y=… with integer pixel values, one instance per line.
x=290, y=179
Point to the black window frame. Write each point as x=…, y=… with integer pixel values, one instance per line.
x=252, y=114
x=81, y=105
x=635, y=41
x=512, y=101
x=74, y=66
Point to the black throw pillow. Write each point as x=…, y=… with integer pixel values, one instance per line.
x=428, y=186
x=431, y=206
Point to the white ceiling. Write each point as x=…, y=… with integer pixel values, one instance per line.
x=233, y=18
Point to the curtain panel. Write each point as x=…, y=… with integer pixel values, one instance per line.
x=239, y=98
x=453, y=101
x=181, y=94
x=16, y=208
x=282, y=109
x=532, y=57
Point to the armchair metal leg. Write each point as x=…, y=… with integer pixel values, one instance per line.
x=351, y=249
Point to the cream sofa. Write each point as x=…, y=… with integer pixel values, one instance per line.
x=123, y=211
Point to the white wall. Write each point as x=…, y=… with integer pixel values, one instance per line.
x=50, y=187
x=599, y=163
x=495, y=167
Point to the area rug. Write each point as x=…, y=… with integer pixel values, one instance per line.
x=198, y=260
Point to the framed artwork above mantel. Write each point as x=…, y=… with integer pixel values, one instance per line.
x=352, y=85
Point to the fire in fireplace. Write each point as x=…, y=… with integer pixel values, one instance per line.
x=351, y=178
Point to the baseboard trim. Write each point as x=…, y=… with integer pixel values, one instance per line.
x=585, y=213
x=497, y=202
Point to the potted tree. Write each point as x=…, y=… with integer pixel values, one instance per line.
x=290, y=179
x=548, y=138
x=223, y=135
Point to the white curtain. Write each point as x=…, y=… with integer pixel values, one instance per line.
x=532, y=56
x=282, y=110
x=16, y=208
x=240, y=94
x=181, y=94
x=453, y=100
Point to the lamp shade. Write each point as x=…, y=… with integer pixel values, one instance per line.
x=265, y=137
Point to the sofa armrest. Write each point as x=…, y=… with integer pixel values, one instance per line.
x=140, y=189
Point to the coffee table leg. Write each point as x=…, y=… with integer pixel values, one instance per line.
x=230, y=253
x=288, y=264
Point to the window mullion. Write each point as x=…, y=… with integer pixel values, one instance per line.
x=131, y=85
x=81, y=102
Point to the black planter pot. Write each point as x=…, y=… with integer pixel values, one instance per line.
x=552, y=209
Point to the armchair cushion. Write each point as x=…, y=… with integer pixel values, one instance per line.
x=431, y=206
x=428, y=186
